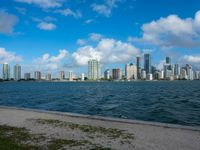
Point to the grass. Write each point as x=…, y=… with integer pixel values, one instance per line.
x=109, y=132
x=14, y=138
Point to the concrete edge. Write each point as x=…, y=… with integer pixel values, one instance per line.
x=100, y=118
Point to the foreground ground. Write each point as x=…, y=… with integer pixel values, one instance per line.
x=29, y=129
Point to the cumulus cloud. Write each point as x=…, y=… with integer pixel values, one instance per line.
x=43, y=3
x=192, y=59
x=7, y=22
x=106, y=51
x=95, y=36
x=106, y=8
x=8, y=57
x=46, y=26
x=172, y=31
x=47, y=62
x=81, y=42
x=69, y=12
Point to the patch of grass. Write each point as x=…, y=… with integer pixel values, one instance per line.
x=109, y=132
x=60, y=143
x=15, y=138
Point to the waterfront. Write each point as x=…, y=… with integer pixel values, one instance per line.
x=176, y=102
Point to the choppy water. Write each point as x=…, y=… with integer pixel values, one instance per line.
x=175, y=102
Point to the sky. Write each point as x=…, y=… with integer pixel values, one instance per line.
x=55, y=35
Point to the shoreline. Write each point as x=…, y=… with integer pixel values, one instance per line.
x=109, y=119
x=76, y=131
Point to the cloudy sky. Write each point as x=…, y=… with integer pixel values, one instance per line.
x=54, y=35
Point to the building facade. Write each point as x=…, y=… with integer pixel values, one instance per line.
x=116, y=74
x=6, y=72
x=37, y=75
x=131, y=72
x=93, y=70
x=147, y=63
x=17, y=72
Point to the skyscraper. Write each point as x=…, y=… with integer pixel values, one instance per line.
x=138, y=64
x=131, y=72
x=37, y=75
x=177, y=70
x=6, y=72
x=27, y=76
x=17, y=72
x=48, y=76
x=116, y=74
x=62, y=75
x=93, y=69
x=70, y=76
x=147, y=63
x=107, y=74
x=168, y=60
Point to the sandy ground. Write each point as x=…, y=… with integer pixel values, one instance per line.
x=147, y=136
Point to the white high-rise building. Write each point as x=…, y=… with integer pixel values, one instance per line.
x=82, y=76
x=184, y=74
x=94, y=70
x=37, y=75
x=48, y=76
x=17, y=72
x=70, y=76
x=149, y=76
x=6, y=72
x=62, y=75
x=131, y=72
x=107, y=74
x=143, y=75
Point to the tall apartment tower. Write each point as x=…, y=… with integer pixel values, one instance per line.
x=147, y=63
x=17, y=72
x=93, y=69
x=131, y=72
x=62, y=75
x=37, y=75
x=6, y=72
x=116, y=74
x=138, y=64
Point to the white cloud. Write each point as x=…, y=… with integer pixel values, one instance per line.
x=107, y=51
x=43, y=3
x=106, y=8
x=8, y=57
x=95, y=36
x=7, y=22
x=46, y=26
x=192, y=59
x=69, y=12
x=81, y=42
x=172, y=31
x=49, y=63
x=88, y=21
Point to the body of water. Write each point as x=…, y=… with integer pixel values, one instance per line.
x=176, y=102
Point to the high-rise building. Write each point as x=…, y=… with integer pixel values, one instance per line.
x=82, y=76
x=196, y=75
x=149, y=76
x=48, y=76
x=147, y=63
x=168, y=60
x=177, y=70
x=107, y=74
x=62, y=75
x=138, y=64
x=143, y=75
x=189, y=71
x=17, y=72
x=116, y=74
x=27, y=76
x=131, y=72
x=93, y=70
x=70, y=76
x=6, y=72
x=184, y=74
x=37, y=75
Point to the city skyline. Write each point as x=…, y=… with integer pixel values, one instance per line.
x=55, y=35
x=130, y=72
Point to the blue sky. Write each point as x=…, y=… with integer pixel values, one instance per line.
x=54, y=35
